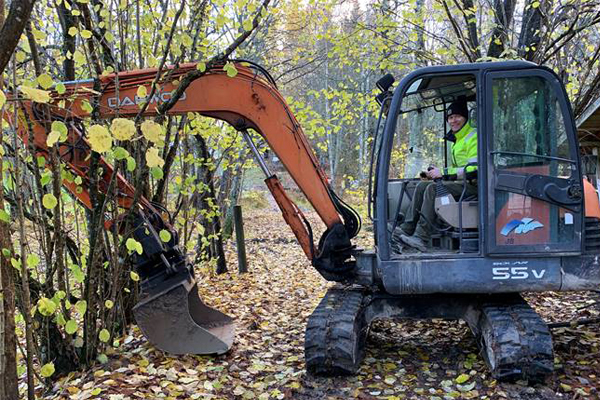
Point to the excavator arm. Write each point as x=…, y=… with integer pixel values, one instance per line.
x=248, y=100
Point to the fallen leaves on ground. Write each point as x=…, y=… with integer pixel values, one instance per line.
x=405, y=359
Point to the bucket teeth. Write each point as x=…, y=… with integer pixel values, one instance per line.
x=174, y=319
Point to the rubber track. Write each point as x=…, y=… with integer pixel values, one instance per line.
x=336, y=332
x=515, y=342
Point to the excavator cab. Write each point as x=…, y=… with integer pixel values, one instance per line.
x=530, y=196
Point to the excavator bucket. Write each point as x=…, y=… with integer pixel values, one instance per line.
x=173, y=318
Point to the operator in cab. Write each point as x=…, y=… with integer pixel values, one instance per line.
x=417, y=228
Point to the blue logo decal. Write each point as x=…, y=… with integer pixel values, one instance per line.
x=521, y=226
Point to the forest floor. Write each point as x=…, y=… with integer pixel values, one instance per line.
x=271, y=304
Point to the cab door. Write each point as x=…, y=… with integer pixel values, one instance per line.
x=534, y=188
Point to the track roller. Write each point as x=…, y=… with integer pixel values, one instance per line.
x=336, y=333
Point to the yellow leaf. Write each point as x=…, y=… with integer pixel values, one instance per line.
x=99, y=138
x=52, y=138
x=49, y=201
x=2, y=99
x=73, y=31
x=45, y=81
x=39, y=96
x=247, y=25
x=122, y=128
x=462, y=378
x=165, y=235
x=186, y=40
x=152, y=131
x=86, y=34
x=201, y=66
x=109, y=304
x=153, y=159
x=535, y=4
x=134, y=276
x=79, y=57
x=104, y=335
x=142, y=91
x=47, y=370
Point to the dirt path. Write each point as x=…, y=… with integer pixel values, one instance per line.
x=405, y=360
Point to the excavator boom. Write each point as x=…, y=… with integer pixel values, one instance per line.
x=248, y=100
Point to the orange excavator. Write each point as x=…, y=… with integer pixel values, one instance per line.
x=533, y=226
x=247, y=101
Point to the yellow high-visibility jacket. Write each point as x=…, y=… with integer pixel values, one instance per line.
x=464, y=151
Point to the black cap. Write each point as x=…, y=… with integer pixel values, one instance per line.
x=458, y=107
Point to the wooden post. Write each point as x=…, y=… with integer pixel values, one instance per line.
x=239, y=238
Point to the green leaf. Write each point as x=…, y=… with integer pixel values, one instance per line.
x=81, y=306
x=46, y=307
x=462, y=378
x=46, y=178
x=60, y=127
x=131, y=164
x=32, y=260
x=104, y=335
x=2, y=99
x=47, y=370
x=102, y=358
x=201, y=66
x=247, y=25
x=86, y=106
x=61, y=88
x=60, y=320
x=86, y=34
x=165, y=235
x=120, y=153
x=157, y=172
x=134, y=245
x=15, y=263
x=49, y=201
x=4, y=217
x=71, y=327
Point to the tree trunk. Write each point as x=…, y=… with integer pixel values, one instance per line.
x=13, y=27
x=212, y=226
x=503, y=11
x=66, y=21
x=529, y=38
x=8, y=341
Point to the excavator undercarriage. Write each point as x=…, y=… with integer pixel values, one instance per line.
x=514, y=340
